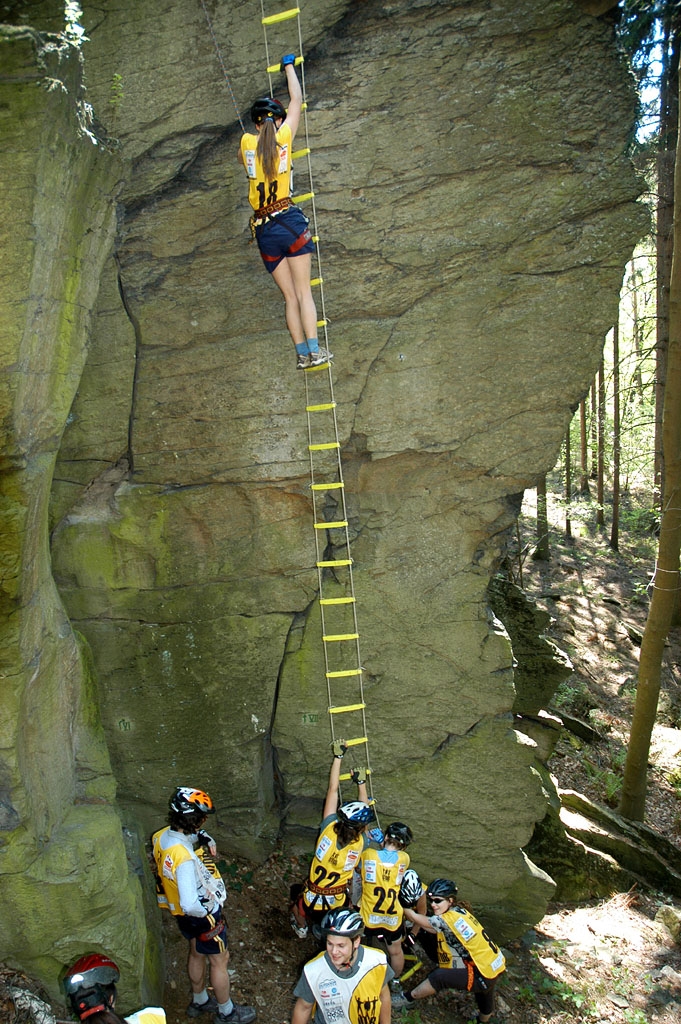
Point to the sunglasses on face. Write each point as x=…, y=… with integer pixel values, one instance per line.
x=436, y=900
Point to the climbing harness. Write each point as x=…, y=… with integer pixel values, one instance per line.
x=337, y=600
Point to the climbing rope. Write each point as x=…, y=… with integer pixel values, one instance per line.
x=337, y=600
x=222, y=64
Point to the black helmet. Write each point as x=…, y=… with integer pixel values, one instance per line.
x=356, y=814
x=266, y=107
x=190, y=806
x=411, y=889
x=90, y=984
x=343, y=922
x=442, y=888
x=399, y=833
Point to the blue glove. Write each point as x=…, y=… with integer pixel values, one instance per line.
x=288, y=58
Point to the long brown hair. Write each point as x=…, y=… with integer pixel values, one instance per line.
x=267, y=148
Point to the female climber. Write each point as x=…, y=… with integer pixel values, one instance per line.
x=90, y=985
x=281, y=229
x=467, y=957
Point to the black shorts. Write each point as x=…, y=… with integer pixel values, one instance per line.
x=460, y=978
x=377, y=932
x=286, y=234
x=210, y=932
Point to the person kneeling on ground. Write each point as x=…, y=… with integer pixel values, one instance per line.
x=468, y=958
x=348, y=982
x=90, y=985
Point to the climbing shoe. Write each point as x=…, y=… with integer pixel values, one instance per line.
x=196, y=1009
x=239, y=1015
x=320, y=356
x=301, y=930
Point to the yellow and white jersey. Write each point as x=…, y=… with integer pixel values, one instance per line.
x=354, y=996
x=382, y=872
x=331, y=868
x=149, y=1015
x=458, y=931
x=262, y=192
x=189, y=882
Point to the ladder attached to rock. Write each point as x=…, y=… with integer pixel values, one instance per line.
x=337, y=600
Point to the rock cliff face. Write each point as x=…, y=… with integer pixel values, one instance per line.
x=475, y=208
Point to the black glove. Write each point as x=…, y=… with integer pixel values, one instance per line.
x=358, y=775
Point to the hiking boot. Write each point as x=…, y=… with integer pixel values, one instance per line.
x=303, y=362
x=320, y=356
x=196, y=1009
x=301, y=930
x=239, y=1015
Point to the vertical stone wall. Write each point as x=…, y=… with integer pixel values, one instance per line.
x=66, y=882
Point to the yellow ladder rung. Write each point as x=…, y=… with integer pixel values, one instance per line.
x=315, y=239
x=272, y=19
x=333, y=637
x=300, y=152
x=326, y=487
x=344, y=673
x=334, y=563
x=327, y=446
x=355, y=743
x=303, y=198
x=348, y=775
x=274, y=68
x=347, y=707
x=321, y=323
x=337, y=600
x=320, y=408
x=315, y=281
x=331, y=526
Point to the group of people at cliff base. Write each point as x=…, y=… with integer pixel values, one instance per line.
x=361, y=900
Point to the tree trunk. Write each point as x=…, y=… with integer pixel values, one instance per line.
x=568, y=484
x=542, y=551
x=666, y=581
x=583, y=451
x=616, y=439
x=594, y=430
x=600, y=463
x=666, y=154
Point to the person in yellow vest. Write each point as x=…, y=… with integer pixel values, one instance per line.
x=340, y=842
x=468, y=959
x=280, y=228
x=90, y=985
x=381, y=873
x=348, y=982
x=190, y=887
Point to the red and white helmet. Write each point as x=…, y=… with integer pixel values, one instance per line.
x=90, y=984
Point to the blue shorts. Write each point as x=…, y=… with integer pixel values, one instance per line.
x=210, y=932
x=286, y=234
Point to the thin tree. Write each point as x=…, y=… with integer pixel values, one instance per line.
x=583, y=451
x=600, y=459
x=666, y=155
x=616, y=439
x=568, y=484
x=542, y=550
x=666, y=579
